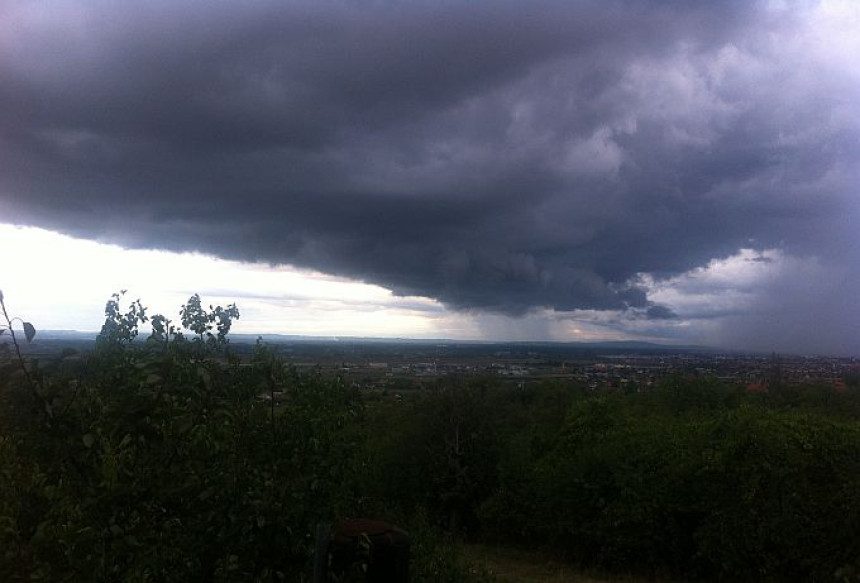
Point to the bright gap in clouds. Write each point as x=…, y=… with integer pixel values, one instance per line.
x=58, y=282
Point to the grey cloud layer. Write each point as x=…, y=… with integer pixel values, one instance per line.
x=497, y=156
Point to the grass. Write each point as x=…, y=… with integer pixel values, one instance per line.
x=520, y=566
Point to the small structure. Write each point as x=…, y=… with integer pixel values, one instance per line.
x=369, y=551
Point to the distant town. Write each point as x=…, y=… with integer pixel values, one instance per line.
x=401, y=365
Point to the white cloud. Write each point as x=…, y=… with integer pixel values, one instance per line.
x=766, y=300
x=59, y=282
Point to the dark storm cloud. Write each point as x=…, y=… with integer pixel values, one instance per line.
x=497, y=156
x=658, y=312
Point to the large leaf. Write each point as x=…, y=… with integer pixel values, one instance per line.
x=29, y=331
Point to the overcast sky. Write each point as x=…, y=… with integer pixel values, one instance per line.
x=678, y=171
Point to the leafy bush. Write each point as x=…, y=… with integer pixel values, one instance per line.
x=727, y=489
x=162, y=461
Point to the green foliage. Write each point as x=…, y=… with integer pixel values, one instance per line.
x=201, y=322
x=690, y=395
x=435, y=452
x=6, y=326
x=120, y=327
x=779, y=481
x=695, y=479
x=164, y=462
x=29, y=331
x=32, y=380
x=723, y=486
x=435, y=558
x=174, y=459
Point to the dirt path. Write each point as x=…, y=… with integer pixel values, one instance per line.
x=516, y=566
